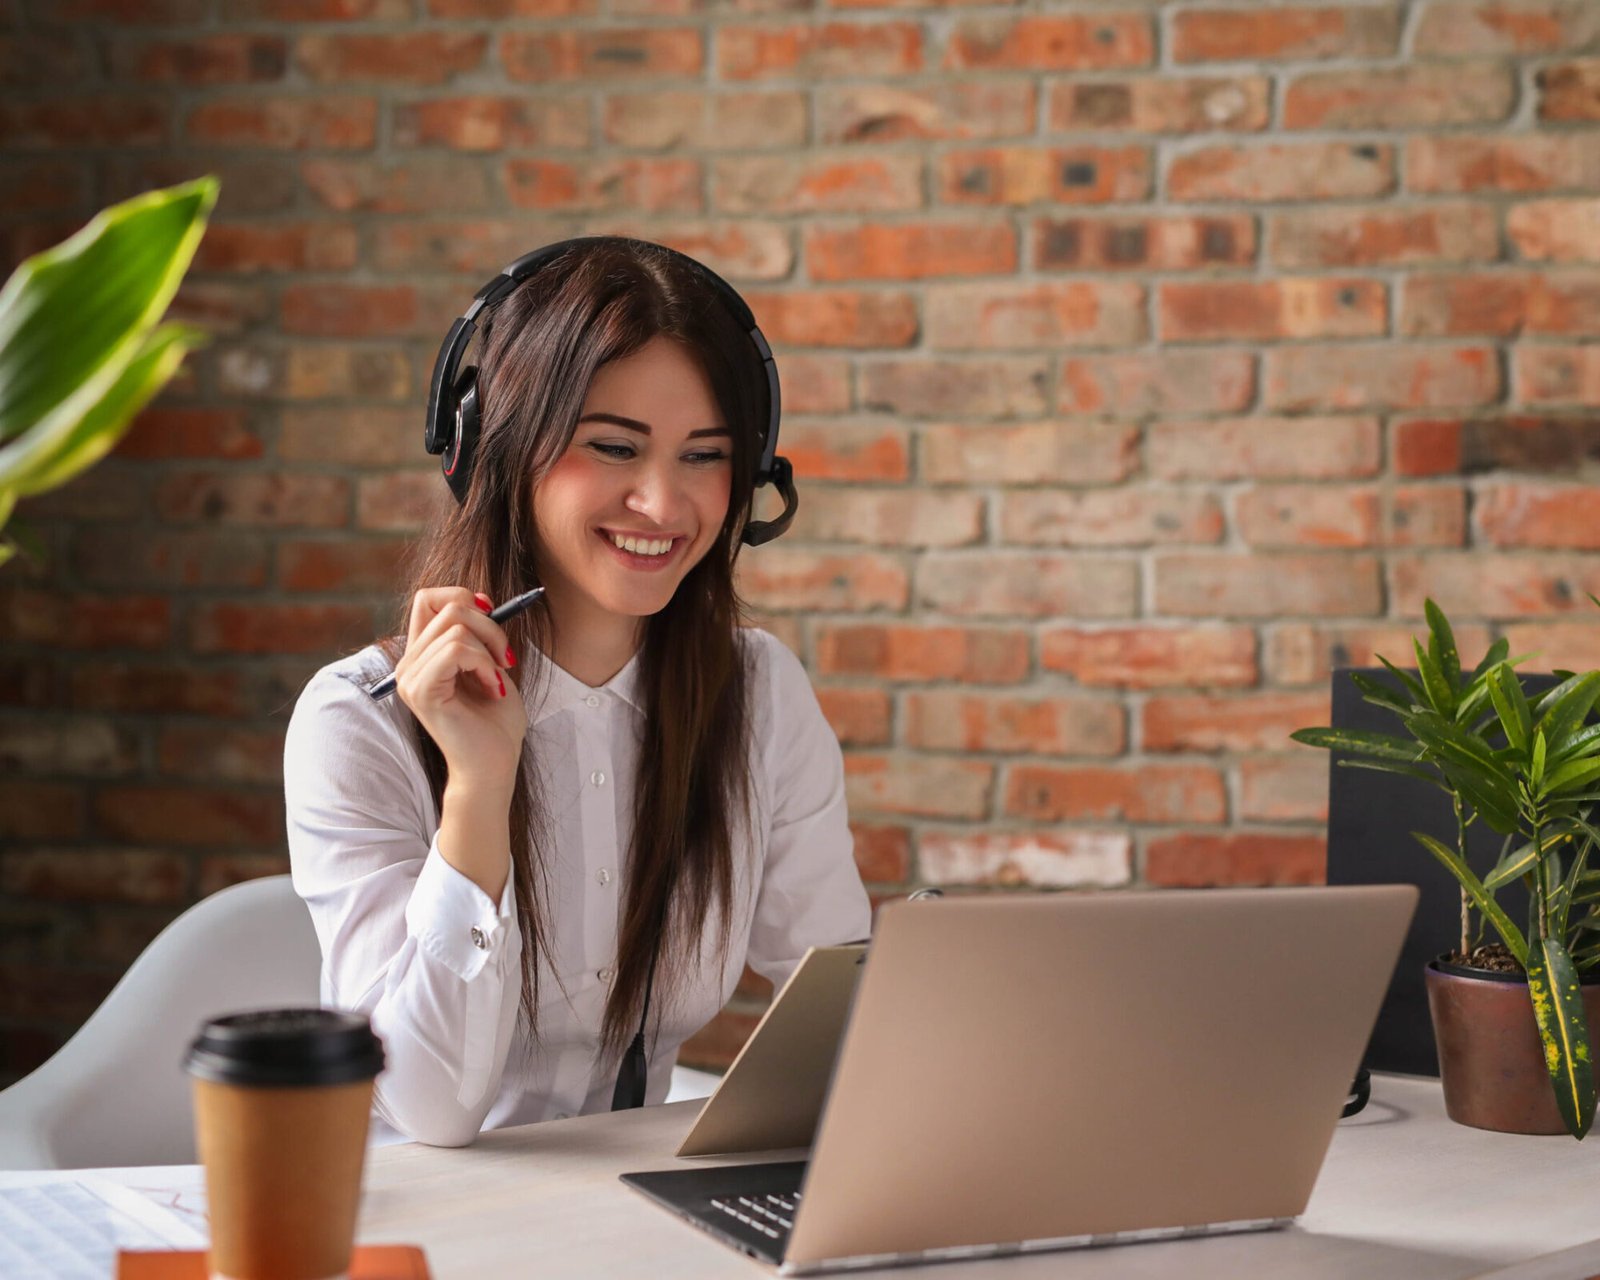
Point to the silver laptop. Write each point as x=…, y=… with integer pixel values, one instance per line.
x=1031, y=1072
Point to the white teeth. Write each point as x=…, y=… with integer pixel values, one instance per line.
x=642, y=546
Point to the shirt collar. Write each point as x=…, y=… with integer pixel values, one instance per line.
x=551, y=690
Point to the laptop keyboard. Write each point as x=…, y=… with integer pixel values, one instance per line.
x=771, y=1215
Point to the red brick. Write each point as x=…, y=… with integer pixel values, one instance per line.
x=482, y=122
x=218, y=871
x=1209, y=584
x=45, y=186
x=1250, y=722
x=117, y=556
x=1427, y=516
x=376, y=436
x=925, y=654
x=422, y=184
x=266, y=498
x=952, y=720
x=37, y=991
x=1308, y=516
x=880, y=113
x=1194, y=859
x=330, y=372
x=1539, y=515
x=1070, y=313
x=859, y=717
x=1427, y=447
x=928, y=786
x=1143, y=793
x=819, y=52
x=337, y=310
x=83, y=622
x=478, y=246
x=206, y=752
x=40, y=59
x=1162, y=104
x=84, y=121
x=368, y=566
x=1450, y=27
x=94, y=875
x=909, y=251
x=308, y=246
x=152, y=12
x=883, y=854
x=817, y=182
x=319, y=10
x=188, y=431
x=613, y=53
x=413, y=57
x=1176, y=382
x=1284, y=788
x=891, y=517
x=847, y=450
x=786, y=578
x=1485, y=584
x=399, y=502
x=80, y=746
x=1054, y=42
x=1057, y=860
x=1310, y=307
x=221, y=308
x=1416, y=96
x=1558, y=646
x=1365, y=237
x=204, y=60
x=1030, y=453
x=1503, y=304
x=663, y=121
x=1013, y=584
x=1301, y=654
x=1153, y=657
x=996, y=387
x=34, y=810
x=1512, y=163
x=1144, y=244
x=189, y=816
x=1551, y=374
x=1265, y=449
x=836, y=318
x=658, y=186
x=278, y=628
x=1287, y=32
x=1109, y=518
x=1283, y=171
x=285, y=124
x=1555, y=230
x=1570, y=91
x=511, y=8
x=743, y=250
x=814, y=383
x=1368, y=377
x=155, y=688
x=1030, y=175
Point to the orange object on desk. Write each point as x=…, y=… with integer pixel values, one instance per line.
x=369, y=1262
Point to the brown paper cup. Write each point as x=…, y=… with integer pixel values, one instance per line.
x=283, y=1161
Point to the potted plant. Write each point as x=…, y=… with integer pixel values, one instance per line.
x=1512, y=1020
x=82, y=346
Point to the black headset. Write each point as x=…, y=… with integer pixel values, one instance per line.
x=453, y=400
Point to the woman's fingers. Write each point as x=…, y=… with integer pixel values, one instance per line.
x=450, y=608
x=432, y=679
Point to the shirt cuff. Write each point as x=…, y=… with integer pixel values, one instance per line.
x=454, y=920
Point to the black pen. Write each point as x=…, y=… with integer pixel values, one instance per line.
x=510, y=609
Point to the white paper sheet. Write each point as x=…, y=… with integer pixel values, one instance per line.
x=69, y=1226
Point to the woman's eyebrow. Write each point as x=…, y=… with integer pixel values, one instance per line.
x=643, y=428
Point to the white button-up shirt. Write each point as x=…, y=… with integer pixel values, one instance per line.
x=436, y=964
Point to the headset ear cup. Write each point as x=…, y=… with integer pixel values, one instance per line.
x=458, y=455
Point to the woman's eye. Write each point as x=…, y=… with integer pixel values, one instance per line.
x=611, y=450
x=707, y=456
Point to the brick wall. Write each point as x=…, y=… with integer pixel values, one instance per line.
x=1140, y=363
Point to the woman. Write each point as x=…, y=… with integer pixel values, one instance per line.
x=620, y=793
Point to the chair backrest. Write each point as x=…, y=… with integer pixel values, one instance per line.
x=116, y=1093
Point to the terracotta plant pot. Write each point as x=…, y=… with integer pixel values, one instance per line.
x=1490, y=1060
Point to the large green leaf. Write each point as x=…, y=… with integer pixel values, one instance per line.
x=1442, y=644
x=1421, y=772
x=1511, y=705
x=1567, y=714
x=1586, y=742
x=1481, y=898
x=1496, y=655
x=1379, y=694
x=1419, y=699
x=1575, y=773
x=1364, y=742
x=1563, y=1031
x=1441, y=693
x=75, y=316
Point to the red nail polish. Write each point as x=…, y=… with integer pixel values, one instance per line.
x=497, y=676
x=482, y=601
x=511, y=658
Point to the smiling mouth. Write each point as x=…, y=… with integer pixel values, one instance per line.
x=640, y=552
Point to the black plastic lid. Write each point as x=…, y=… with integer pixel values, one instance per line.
x=286, y=1047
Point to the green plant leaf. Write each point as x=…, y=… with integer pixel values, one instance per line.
x=75, y=316
x=1536, y=764
x=1567, y=714
x=1419, y=699
x=1442, y=645
x=1585, y=743
x=1554, y=694
x=1441, y=694
x=1563, y=1031
x=1421, y=772
x=1481, y=898
x=1380, y=694
x=1496, y=655
x=1519, y=862
x=1360, y=741
x=1511, y=705
x=1472, y=767
x=1577, y=773
x=1476, y=696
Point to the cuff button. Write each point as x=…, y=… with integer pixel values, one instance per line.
x=478, y=939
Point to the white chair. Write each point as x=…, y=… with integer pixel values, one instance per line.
x=116, y=1093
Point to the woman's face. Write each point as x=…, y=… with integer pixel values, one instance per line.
x=640, y=494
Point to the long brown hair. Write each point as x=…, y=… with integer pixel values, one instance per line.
x=540, y=348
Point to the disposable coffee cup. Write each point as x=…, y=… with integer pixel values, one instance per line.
x=281, y=1100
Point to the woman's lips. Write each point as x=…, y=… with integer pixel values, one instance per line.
x=633, y=560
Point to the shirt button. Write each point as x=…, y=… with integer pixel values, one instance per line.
x=478, y=940
x=598, y=778
x=603, y=876
x=604, y=975
x=591, y=701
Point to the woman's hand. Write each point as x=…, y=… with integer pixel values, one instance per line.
x=452, y=677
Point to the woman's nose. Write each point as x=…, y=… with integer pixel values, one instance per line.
x=653, y=495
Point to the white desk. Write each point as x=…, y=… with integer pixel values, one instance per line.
x=1404, y=1194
